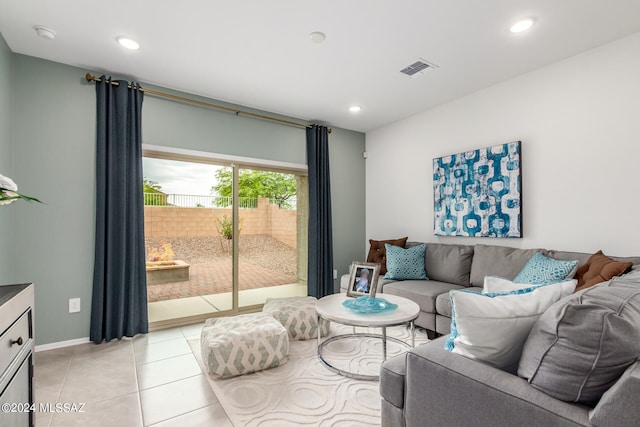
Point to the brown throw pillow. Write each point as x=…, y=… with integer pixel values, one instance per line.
x=377, y=252
x=599, y=268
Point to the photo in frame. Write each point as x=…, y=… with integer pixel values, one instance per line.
x=363, y=279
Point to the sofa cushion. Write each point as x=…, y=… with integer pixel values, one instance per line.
x=443, y=302
x=599, y=268
x=492, y=328
x=449, y=263
x=569, y=256
x=580, y=346
x=543, y=270
x=423, y=293
x=405, y=264
x=378, y=253
x=498, y=261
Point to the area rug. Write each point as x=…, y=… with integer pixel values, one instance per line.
x=303, y=392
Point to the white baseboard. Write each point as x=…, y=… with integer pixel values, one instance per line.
x=61, y=344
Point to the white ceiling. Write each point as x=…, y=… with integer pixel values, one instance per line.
x=258, y=53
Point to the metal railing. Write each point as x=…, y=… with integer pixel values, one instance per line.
x=193, y=201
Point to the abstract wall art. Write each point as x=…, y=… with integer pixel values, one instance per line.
x=477, y=193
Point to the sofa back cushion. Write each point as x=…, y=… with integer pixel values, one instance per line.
x=569, y=256
x=449, y=263
x=582, y=344
x=498, y=261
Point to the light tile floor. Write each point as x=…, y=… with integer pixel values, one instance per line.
x=153, y=379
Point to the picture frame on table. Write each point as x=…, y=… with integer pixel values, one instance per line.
x=363, y=279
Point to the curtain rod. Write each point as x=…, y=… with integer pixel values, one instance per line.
x=90, y=77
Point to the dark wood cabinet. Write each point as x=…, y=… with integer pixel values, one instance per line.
x=17, y=405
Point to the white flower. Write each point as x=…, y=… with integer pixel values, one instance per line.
x=9, y=192
x=7, y=183
x=12, y=197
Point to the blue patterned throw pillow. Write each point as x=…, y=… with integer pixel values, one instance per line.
x=542, y=270
x=405, y=264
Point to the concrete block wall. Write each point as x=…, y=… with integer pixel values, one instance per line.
x=266, y=219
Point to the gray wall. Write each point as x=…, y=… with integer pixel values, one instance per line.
x=5, y=159
x=175, y=124
x=53, y=142
x=54, y=160
x=347, y=168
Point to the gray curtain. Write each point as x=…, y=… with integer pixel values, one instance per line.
x=119, y=304
x=320, y=276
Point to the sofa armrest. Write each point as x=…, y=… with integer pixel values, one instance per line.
x=619, y=407
x=392, y=375
x=444, y=388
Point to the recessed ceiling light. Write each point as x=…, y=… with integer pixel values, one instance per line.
x=128, y=43
x=355, y=108
x=522, y=25
x=317, y=37
x=45, y=32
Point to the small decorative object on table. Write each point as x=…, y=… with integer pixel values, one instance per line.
x=368, y=304
x=363, y=279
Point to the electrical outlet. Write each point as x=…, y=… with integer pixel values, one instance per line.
x=335, y=274
x=74, y=305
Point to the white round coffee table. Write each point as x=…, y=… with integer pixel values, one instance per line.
x=331, y=308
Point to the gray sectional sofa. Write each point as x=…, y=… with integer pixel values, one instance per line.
x=429, y=386
x=462, y=267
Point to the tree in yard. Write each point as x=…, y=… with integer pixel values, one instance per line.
x=153, y=196
x=280, y=187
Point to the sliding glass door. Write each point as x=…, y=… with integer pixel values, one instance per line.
x=221, y=238
x=189, y=257
x=271, y=236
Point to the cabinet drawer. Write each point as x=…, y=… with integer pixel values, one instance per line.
x=18, y=392
x=13, y=340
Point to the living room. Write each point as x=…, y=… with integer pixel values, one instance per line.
x=571, y=98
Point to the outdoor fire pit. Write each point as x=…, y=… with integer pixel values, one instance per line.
x=167, y=272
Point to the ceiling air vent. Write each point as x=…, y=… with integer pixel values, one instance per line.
x=418, y=68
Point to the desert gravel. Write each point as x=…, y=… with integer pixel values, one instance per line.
x=262, y=250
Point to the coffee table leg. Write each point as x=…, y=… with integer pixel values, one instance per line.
x=413, y=334
x=384, y=343
x=319, y=319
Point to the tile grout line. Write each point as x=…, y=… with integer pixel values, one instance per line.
x=171, y=382
x=64, y=383
x=135, y=372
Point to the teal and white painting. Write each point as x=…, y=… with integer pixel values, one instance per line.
x=477, y=193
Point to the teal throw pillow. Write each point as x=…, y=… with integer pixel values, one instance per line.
x=405, y=264
x=542, y=270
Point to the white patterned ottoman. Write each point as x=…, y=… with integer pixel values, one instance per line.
x=298, y=315
x=243, y=344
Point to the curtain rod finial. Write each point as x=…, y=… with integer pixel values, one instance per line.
x=89, y=77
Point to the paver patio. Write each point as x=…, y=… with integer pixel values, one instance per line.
x=215, y=278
